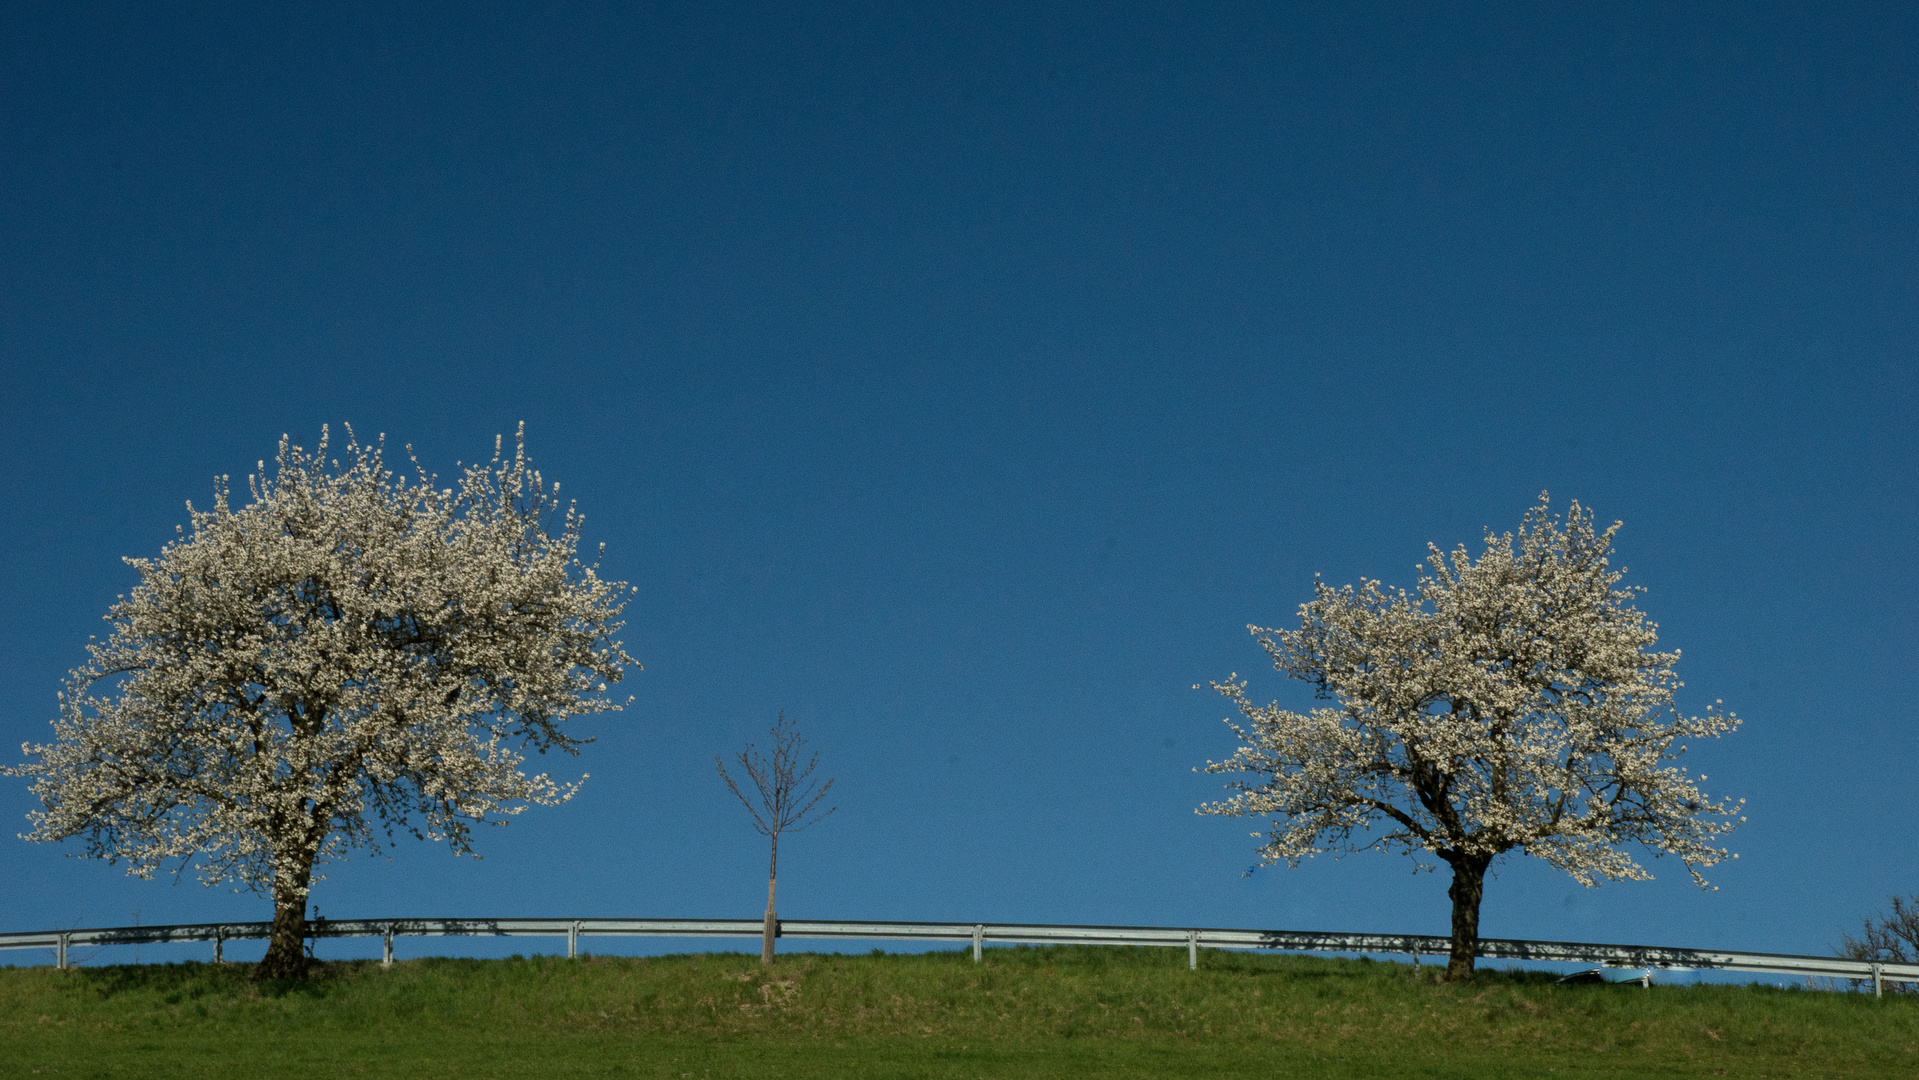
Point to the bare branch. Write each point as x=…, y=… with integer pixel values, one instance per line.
x=787, y=797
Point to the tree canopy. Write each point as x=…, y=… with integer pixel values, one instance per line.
x=349, y=654
x=1512, y=702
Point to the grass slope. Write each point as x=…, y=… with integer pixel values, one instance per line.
x=1046, y=1012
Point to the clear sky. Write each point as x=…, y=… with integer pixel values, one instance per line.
x=964, y=383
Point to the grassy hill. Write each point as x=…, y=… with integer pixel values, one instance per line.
x=1045, y=1012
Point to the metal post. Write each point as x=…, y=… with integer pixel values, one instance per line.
x=1876, y=987
x=573, y=941
x=386, y=950
x=1192, y=950
x=219, y=944
x=979, y=936
x=60, y=954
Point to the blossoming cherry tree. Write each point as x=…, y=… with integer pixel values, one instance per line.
x=348, y=654
x=1510, y=703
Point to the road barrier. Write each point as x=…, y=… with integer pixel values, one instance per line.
x=1653, y=958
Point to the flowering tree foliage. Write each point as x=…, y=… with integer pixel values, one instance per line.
x=347, y=654
x=1509, y=703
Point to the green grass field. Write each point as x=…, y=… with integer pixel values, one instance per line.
x=1045, y=1012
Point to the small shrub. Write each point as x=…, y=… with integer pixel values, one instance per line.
x=1893, y=938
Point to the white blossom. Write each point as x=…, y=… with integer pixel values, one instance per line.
x=347, y=655
x=1511, y=702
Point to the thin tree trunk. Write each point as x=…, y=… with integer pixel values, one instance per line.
x=286, y=950
x=1469, y=885
x=772, y=918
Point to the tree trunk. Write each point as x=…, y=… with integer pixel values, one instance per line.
x=1469, y=885
x=771, y=928
x=286, y=956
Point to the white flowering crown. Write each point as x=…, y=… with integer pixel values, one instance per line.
x=1513, y=702
x=350, y=653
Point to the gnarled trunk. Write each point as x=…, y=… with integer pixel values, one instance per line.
x=1469, y=885
x=286, y=956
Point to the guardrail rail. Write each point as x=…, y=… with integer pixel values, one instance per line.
x=979, y=935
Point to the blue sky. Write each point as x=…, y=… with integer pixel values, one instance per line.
x=963, y=383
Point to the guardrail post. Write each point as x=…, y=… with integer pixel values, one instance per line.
x=386, y=948
x=219, y=944
x=1876, y=987
x=1192, y=950
x=60, y=953
x=573, y=941
x=979, y=937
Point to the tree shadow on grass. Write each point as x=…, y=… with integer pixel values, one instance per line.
x=194, y=980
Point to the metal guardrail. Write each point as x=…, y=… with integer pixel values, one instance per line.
x=1651, y=957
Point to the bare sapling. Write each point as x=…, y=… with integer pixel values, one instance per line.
x=787, y=803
